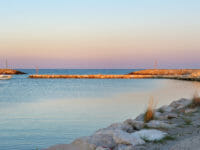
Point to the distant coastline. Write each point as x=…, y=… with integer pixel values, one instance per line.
x=11, y=72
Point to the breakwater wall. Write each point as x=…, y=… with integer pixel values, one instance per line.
x=179, y=74
x=95, y=76
x=166, y=72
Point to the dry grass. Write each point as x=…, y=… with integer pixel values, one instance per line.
x=149, y=114
x=195, y=100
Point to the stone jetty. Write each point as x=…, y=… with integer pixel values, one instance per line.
x=171, y=126
x=95, y=76
x=10, y=72
x=165, y=72
x=180, y=74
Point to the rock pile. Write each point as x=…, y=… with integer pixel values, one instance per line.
x=131, y=134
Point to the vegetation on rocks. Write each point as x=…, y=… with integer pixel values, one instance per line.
x=149, y=114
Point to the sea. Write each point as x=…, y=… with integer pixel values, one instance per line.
x=39, y=113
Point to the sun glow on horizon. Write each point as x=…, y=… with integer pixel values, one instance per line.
x=103, y=34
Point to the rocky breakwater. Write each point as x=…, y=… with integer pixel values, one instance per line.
x=166, y=130
x=94, y=76
x=179, y=74
x=165, y=72
x=10, y=71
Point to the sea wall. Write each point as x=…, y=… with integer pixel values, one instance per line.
x=170, y=125
x=95, y=76
x=180, y=74
x=165, y=72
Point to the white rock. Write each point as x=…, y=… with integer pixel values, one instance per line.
x=159, y=124
x=121, y=126
x=190, y=110
x=135, y=124
x=166, y=108
x=182, y=103
x=102, y=148
x=121, y=137
x=150, y=135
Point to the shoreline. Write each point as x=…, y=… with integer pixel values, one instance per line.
x=171, y=126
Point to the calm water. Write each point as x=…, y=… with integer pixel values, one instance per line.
x=38, y=113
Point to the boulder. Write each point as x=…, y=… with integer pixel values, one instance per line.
x=190, y=110
x=121, y=137
x=129, y=147
x=104, y=140
x=182, y=103
x=140, y=117
x=84, y=143
x=159, y=116
x=150, y=134
x=120, y=126
x=166, y=108
x=171, y=115
x=102, y=148
x=70, y=147
x=159, y=124
x=135, y=124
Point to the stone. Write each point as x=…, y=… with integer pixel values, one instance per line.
x=102, y=148
x=171, y=115
x=158, y=116
x=159, y=124
x=70, y=147
x=104, y=140
x=135, y=124
x=166, y=108
x=182, y=103
x=122, y=137
x=128, y=147
x=190, y=110
x=121, y=126
x=84, y=143
x=191, y=143
x=140, y=117
x=150, y=134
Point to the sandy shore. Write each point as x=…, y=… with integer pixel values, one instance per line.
x=174, y=127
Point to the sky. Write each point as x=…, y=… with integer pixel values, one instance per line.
x=100, y=33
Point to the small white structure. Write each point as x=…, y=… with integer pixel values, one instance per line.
x=5, y=77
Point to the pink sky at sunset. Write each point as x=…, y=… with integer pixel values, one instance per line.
x=98, y=35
